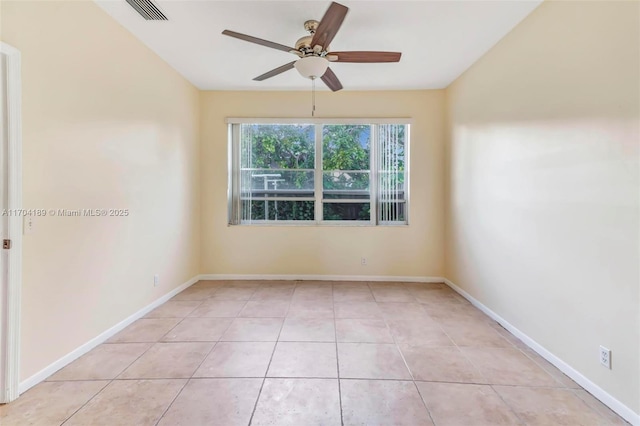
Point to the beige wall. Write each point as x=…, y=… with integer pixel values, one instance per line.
x=415, y=250
x=106, y=124
x=543, y=216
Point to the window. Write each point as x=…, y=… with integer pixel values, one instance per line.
x=318, y=173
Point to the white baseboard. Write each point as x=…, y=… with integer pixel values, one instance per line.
x=625, y=412
x=102, y=337
x=261, y=277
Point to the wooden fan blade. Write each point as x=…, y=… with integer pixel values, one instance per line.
x=366, y=57
x=329, y=25
x=258, y=41
x=275, y=71
x=331, y=80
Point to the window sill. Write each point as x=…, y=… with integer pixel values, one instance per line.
x=336, y=224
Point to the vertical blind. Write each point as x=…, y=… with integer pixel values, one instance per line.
x=391, y=172
x=246, y=134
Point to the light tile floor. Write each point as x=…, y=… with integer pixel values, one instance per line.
x=310, y=353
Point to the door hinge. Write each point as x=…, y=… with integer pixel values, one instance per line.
x=6, y=244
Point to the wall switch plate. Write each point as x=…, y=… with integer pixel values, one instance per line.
x=156, y=280
x=605, y=357
x=28, y=225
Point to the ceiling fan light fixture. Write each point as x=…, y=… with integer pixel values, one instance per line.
x=312, y=66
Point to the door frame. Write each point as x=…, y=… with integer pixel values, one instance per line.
x=10, y=332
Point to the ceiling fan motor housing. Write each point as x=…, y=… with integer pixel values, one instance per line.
x=304, y=43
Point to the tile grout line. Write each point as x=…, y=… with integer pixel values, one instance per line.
x=522, y=422
x=152, y=344
x=188, y=380
x=275, y=346
x=335, y=331
x=477, y=369
x=406, y=364
x=537, y=363
x=201, y=362
x=595, y=410
x=87, y=402
x=462, y=352
x=422, y=306
x=471, y=363
x=200, y=302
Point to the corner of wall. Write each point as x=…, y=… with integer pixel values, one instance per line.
x=446, y=214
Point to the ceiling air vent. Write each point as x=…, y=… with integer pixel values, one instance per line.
x=148, y=10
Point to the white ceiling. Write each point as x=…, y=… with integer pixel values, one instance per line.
x=439, y=40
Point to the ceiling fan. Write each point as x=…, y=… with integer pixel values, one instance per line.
x=314, y=52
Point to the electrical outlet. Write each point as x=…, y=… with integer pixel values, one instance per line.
x=363, y=261
x=605, y=357
x=156, y=280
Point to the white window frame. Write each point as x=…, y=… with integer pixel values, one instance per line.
x=234, y=170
